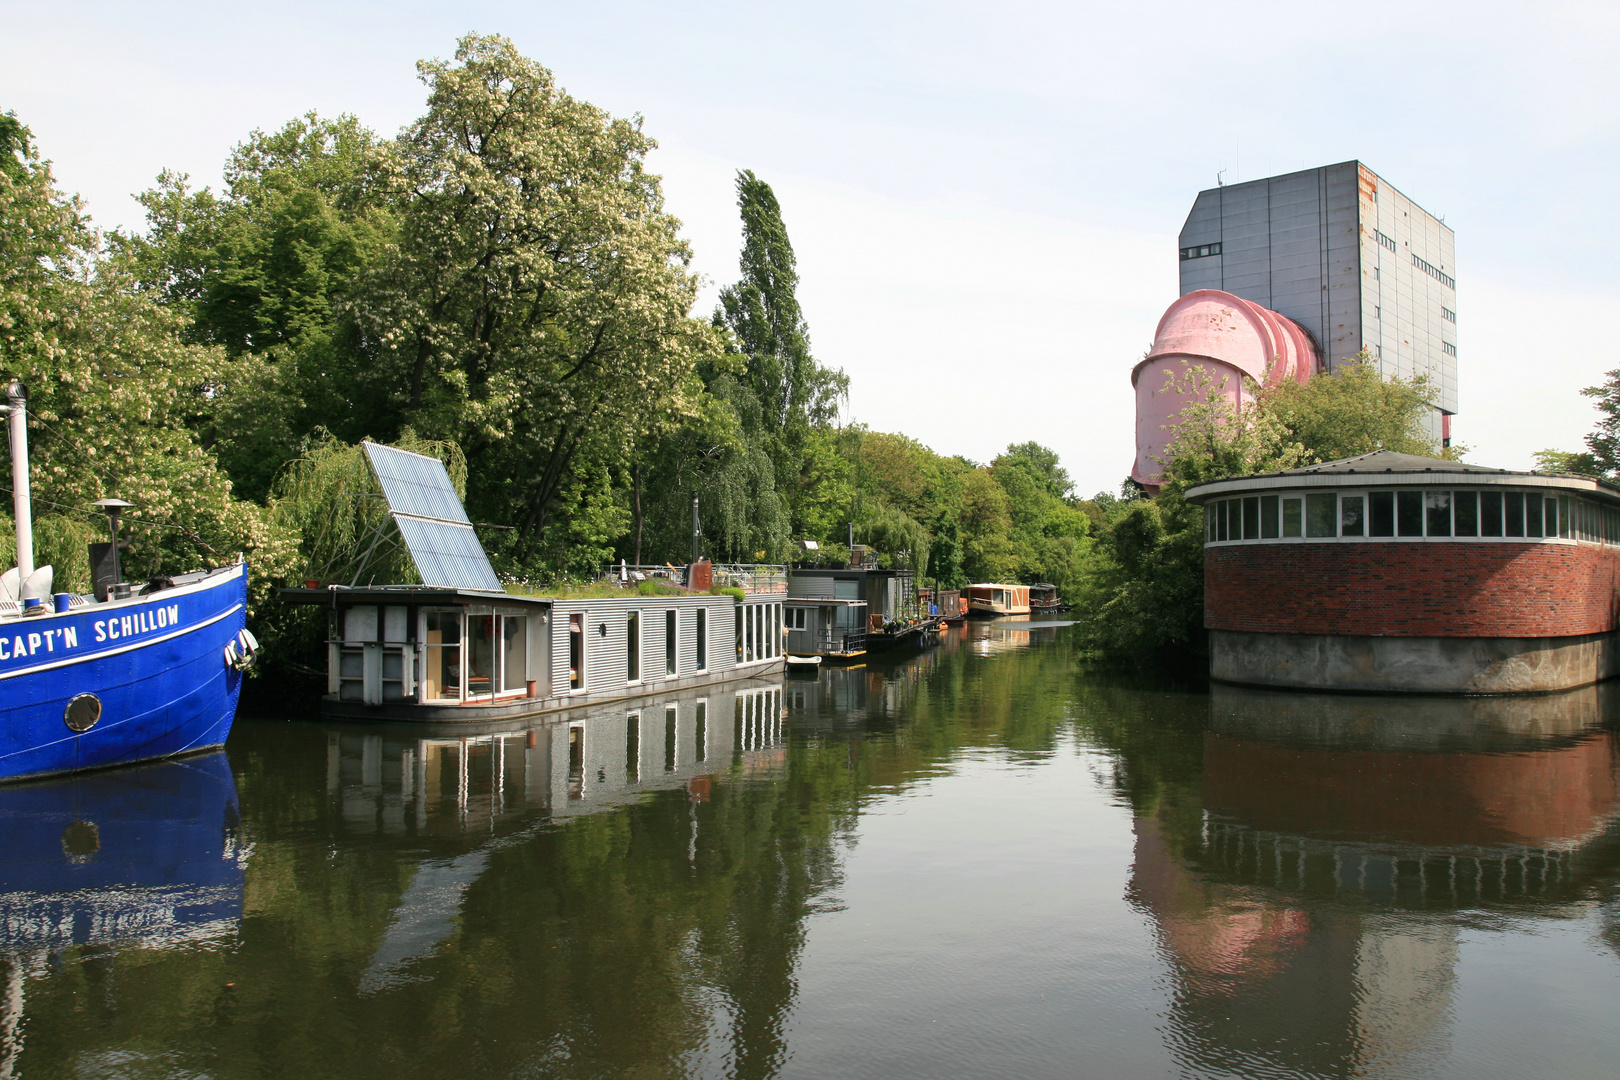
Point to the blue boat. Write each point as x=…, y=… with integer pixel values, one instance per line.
x=130, y=673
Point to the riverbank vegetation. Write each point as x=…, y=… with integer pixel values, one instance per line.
x=502, y=285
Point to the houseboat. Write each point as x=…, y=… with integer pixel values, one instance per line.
x=993, y=599
x=1043, y=596
x=458, y=648
x=841, y=613
x=945, y=605
x=130, y=671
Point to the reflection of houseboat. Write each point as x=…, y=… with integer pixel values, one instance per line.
x=1043, y=596
x=839, y=614
x=458, y=648
x=998, y=599
x=144, y=856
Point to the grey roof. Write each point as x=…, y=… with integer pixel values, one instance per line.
x=1388, y=461
x=1383, y=467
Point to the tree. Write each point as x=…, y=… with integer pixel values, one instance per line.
x=267, y=270
x=535, y=310
x=795, y=393
x=1354, y=411
x=114, y=396
x=1602, y=456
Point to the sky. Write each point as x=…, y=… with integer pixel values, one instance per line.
x=984, y=199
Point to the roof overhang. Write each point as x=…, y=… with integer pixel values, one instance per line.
x=337, y=596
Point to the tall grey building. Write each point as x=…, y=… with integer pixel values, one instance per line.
x=1345, y=255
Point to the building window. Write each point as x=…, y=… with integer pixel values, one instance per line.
x=1381, y=516
x=1448, y=315
x=1351, y=516
x=1409, y=513
x=1293, y=518
x=796, y=616
x=632, y=647
x=1384, y=240
x=1200, y=251
x=1465, y=513
x=1437, y=508
x=442, y=676
x=1321, y=510
x=1378, y=312
x=1268, y=517
x=1448, y=348
x=1435, y=272
x=1490, y=513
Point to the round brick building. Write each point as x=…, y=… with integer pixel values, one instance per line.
x=1389, y=572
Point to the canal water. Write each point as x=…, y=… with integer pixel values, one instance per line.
x=986, y=860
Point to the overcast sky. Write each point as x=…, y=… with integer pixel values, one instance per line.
x=984, y=199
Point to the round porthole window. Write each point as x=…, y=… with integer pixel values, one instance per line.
x=82, y=713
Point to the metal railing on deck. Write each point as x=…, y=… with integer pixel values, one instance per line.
x=828, y=641
x=749, y=577
x=752, y=577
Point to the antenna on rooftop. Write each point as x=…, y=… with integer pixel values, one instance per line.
x=1218, y=181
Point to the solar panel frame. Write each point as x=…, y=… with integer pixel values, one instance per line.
x=431, y=520
x=415, y=483
x=447, y=555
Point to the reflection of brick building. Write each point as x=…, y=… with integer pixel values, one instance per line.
x=1394, y=572
x=1308, y=917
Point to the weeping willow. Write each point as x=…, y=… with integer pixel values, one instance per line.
x=331, y=496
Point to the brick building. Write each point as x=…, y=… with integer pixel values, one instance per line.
x=1401, y=573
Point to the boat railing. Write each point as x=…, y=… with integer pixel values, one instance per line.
x=752, y=577
x=749, y=577
x=838, y=641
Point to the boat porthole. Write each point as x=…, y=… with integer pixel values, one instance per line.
x=82, y=713
x=81, y=840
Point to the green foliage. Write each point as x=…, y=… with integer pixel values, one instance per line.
x=1558, y=461
x=1602, y=456
x=1355, y=411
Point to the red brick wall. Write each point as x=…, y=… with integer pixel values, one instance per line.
x=1413, y=589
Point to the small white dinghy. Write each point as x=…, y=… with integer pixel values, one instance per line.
x=803, y=663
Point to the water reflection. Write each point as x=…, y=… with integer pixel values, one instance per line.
x=141, y=858
x=1312, y=900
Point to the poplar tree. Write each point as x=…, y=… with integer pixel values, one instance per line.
x=795, y=393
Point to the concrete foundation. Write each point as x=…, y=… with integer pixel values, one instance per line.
x=1435, y=665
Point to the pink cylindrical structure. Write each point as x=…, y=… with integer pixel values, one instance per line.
x=1230, y=338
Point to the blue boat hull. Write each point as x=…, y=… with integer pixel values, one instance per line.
x=156, y=663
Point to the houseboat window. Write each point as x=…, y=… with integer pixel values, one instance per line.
x=514, y=651
x=1437, y=509
x=701, y=741
x=1490, y=513
x=1381, y=513
x=632, y=647
x=1532, y=515
x=442, y=677
x=795, y=618
x=1465, y=513
x=1351, y=516
x=1251, y=518
x=671, y=652
x=670, y=742
x=480, y=655
x=748, y=634
x=739, y=617
x=1321, y=510
x=576, y=747
x=632, y=748
x=1409, y=513
x=703, y=639
x=1268, y=517
x=1293, y=513
x=576, y=652
x=1512, y=513
x=360, y=623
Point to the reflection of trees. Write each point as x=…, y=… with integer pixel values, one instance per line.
x=657, y=935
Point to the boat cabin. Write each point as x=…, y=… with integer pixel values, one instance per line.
x=998, y=599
